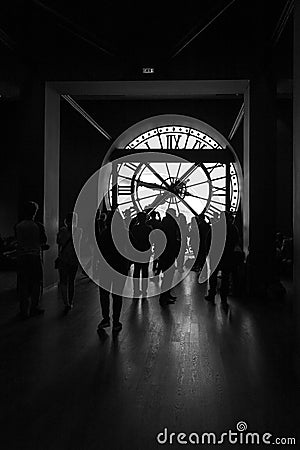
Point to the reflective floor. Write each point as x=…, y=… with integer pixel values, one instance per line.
x=190, y=367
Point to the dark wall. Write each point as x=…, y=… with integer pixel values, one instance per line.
x=31, y=143
x=83, y=147
x=8, y=164
x=285, y=167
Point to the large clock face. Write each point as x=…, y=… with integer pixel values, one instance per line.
x=187, y=187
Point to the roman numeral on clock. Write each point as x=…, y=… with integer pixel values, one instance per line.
x=212, y=209
x=198, y=145
x=124, y=190
x=173, y=141
x=131, y=166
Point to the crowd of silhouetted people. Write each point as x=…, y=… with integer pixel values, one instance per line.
x=184, y=246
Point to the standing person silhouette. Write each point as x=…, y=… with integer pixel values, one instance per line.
x=31, y=240
x=68, y=261
x=225, y=264
x=194, y=241
x=140, y=239
x=184, y=232
x=168, y=257
x=113, y=283
x=204, y=230
x=154, y=221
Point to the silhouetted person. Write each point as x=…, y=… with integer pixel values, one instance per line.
x=140, y=240
x=168, y=257
x=204, y=229
x=237, y=271
x=154, y=221
x=183, y=235
x=120, y=264
x=68, y=261
x=194, y=241
x=225, y=264
x=1, y=243
x=31, y=239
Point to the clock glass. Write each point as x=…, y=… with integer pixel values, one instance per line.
x=208, y=185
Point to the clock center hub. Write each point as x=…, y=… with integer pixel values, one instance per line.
x=176, y=186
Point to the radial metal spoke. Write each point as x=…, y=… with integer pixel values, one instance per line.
x=187, y=173
x=218, y=178
x=196, y=196
x=197, y=184
x=157, y=174
x=168, y=170
x=179, y=167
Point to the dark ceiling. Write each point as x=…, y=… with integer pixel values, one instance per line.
x=204, y=38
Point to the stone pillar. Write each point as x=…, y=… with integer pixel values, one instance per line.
x=260, y=180
x=39, y=161
x=31, y=143
x=51, y=180
x=296, y=149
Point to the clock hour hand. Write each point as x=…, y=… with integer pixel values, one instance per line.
x=150, y=185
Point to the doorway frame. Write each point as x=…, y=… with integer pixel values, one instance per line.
x=154, y=89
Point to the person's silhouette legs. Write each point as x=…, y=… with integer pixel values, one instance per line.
x=213, y=280
x=136, y=280
x=71, y=284
x=117, y=306
x=145, y=275
x=166, y=297
x=104, y=302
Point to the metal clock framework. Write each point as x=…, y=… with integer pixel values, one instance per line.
x=208, y=182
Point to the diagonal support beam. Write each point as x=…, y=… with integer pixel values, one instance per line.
x=73, y=28
x=196, y=34
x=7, y=41
x=84, y=114
x=237, y=122
x=280, y=26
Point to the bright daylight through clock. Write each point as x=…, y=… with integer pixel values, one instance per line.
x=191, y=188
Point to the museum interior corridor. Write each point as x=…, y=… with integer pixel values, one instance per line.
x=160, y=117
